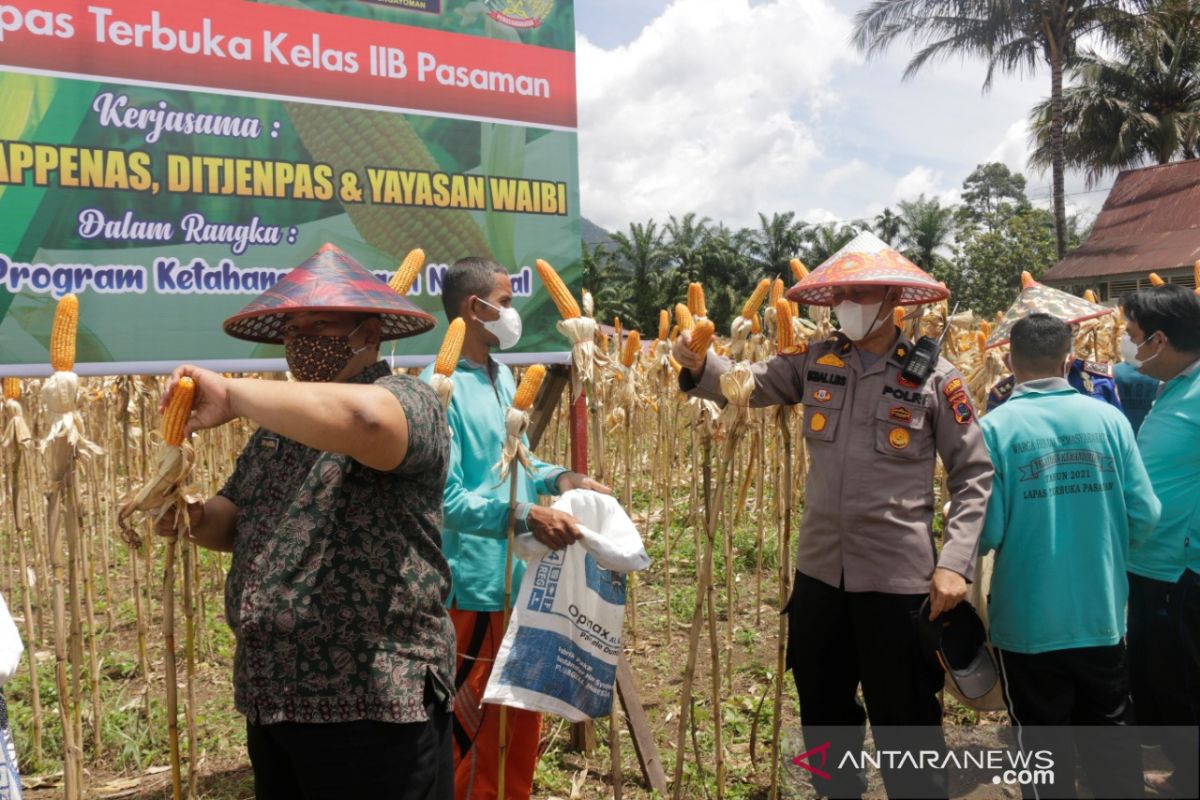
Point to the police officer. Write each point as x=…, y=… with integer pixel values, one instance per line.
x=1092, y=378
x=866, y=557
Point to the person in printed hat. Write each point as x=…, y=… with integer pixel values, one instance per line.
x=337, y=586
x=1092, y=378
x=866, y=557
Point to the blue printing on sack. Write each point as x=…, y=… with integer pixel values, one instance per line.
x=549, y=663
x=604, y=582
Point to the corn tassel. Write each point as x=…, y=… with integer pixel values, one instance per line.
x=633, y=346
x=12, y=388
x=702, y=336
x=750, y=309
x=62, y=336
x=696, y=300
x=664, y=324
x=179, y=408
x=683, y=316
x=559, y=293
x=407, y=272
x=799, y=271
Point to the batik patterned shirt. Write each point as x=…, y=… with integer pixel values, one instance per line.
x=337, y=586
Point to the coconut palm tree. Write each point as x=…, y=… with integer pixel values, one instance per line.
x=926, y=230
x=642, y=252
x=822, y=241
x=685, y=237
x=1011, y=35
x=1140, y=105
x=887, y=226
x=776, y=242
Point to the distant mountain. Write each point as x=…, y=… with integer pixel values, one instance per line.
x=592, y=234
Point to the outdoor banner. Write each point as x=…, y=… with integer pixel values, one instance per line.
x=167, y=162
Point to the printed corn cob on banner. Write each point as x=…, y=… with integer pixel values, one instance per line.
x=169, y=180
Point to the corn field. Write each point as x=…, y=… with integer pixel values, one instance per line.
x=125, y=689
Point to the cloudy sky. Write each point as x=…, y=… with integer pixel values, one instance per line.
x=731, y=107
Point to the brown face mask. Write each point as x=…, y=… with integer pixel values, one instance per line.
x=319, y=359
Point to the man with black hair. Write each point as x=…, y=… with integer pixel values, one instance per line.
x=1162, y=341
x=1069, y=497
x=476, y=524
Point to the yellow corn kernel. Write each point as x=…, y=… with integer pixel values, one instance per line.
x=12, y=388
x=795, y=308
x=1155, y=280
x=777, y=289
x=447, y=357
x=527, y=391
x=62, y=336
x=664, y=323
x=179, y=408
x=785, y=334
x=696, y=300
x=755, y=324
x=986, y=328
x=1027, y=280
x=755, y=302
x=981, y=342
x=633, y=346
x=799, y=271
x=702, y=336
x=406, y=273
x=683, y=316
x=1090, y=296
x=559, y=293
x=617, y=327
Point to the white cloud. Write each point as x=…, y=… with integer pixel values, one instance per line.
x=1013, y=148
x=705, y=109
x=922, y=180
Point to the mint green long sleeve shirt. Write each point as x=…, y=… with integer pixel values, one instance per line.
x=1070, y=497
x=1169, y=440
x=474, y=537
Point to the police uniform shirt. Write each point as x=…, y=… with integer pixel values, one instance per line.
x=1092, y=378
x=874, y=439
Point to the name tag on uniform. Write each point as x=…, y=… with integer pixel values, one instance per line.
x=269, y=442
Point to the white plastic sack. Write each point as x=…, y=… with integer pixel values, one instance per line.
x=559, y=654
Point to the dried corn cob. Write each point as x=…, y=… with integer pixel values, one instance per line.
x=702, y=336
x=617, y=328
x=777, y=290
x=388, y=139
x=664, y=324
x=62, y=336
x=179, y=408
x=755, y=302
x=1196, y=275
x=898, y=317
x=447, y=357
x=755, y=324
x=986, y=328
x=1155, y=280
x=696, y=300
x=981, y=343
x=1090, y=296
x=633, y=346
x=12, y=388
x=785, y=333
x=527, y=391
x=1027, y=280
x=683, y=316
x=799, y=271
x=559, y=293
x=406, y=273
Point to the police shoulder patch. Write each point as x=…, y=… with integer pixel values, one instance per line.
x=1098, y=368
x=830, y=360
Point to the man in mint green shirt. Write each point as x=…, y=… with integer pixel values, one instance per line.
x=474, y=538
x=1069, y=498
x=1163, y=342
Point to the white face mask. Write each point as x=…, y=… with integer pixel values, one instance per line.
x=507, y=329
x=1129, y=351
x=856, y=321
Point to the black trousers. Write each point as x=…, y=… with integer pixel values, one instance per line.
x=839, y=639
x=367, y=759
x=1086, y=687
x=1164, y=660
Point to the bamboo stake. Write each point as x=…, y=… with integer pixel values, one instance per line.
x=71, y=754
x=172, y=685
x=785, y=574
x=189, y=550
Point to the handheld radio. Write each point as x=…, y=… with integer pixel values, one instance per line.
x=921, y=361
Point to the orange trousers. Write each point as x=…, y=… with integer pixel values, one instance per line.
x=477, y=726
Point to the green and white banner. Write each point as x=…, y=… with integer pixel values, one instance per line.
x=168, y=162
